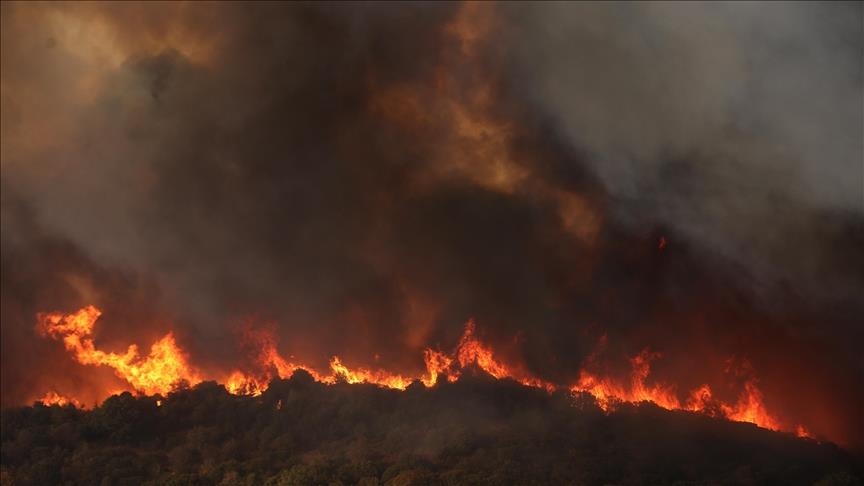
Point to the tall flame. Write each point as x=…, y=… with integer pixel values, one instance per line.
x=160, y=372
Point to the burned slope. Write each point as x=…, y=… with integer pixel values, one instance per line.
x=475, y=430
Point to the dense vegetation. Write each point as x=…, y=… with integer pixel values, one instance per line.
x=470, y=432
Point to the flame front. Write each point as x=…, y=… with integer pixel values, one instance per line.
x=469, y=352
x=166, y=367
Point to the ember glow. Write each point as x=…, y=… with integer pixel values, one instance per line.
x=166, y=369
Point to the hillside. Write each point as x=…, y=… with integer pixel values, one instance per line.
x=474, y=431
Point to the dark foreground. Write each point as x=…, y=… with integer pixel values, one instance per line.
x=471, y=432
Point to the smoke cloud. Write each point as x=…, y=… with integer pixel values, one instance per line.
x=741, y=125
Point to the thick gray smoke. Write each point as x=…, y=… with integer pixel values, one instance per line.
x=740, y=124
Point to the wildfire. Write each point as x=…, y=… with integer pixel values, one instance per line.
x=160, y=372
x=458, y=105
x=240, y=384
x=54, y=398
x=362, y=375
x=166, y=367
x=437, y=363
x=750, y=406
x=607, y=390
x=469, y=352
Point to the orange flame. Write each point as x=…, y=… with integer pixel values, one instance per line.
x=362, y=375
x=166, y=367
x=437, y=363
x=607, y=391
x=471, y=351
x=160, y=372
x=477, y=148
x=54, y=398
x=802, y=431
x=238, y=383
x=750, y=406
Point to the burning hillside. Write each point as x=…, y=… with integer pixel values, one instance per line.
x=641, y=206
x=166, y=369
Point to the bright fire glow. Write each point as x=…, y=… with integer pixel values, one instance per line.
x=362, y=375
x=607, y=390
x=160, y=372
x=437, y=364
x=166, y=367
x=54, y=398
x=750, y=406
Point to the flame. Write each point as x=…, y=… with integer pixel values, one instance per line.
x=160, y=372
x=471, y=351
x=608, y=391
x=270, y=364
x=54, y=398
x=437, y=364
x=700, y=399
x=239, y=383
x=362, y=375
x=750, y=406
x=802, y=431
x=166, y=367
x=458, y=104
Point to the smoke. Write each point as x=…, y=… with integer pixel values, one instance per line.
x=739, y=124
x=368, y=177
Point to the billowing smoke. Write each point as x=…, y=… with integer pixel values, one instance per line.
x=741, y=125
x=365, y=178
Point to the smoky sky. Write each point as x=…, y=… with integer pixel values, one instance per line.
x=192, y=167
